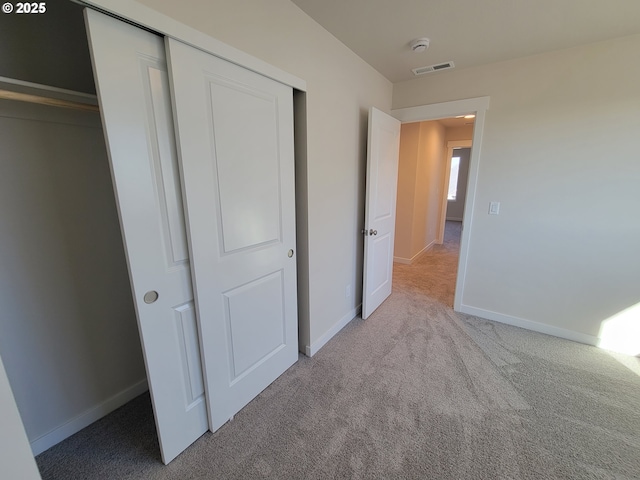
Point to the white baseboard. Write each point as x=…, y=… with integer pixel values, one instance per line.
x=409, y=261
x=405, y=261
x=86, y=418
x=531, y=325
x=311, y=350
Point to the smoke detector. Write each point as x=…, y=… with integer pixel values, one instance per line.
x=419, y=45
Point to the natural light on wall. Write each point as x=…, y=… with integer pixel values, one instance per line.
x=621, y=332
x=453, y=178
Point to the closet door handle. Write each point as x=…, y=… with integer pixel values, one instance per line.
x=373, y=232
x=151, y=296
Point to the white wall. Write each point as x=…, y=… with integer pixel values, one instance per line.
x=341, y=87
x=405, y=201
x=68, y=333
x=560, y=154
x=430, y=183
x=459, y=133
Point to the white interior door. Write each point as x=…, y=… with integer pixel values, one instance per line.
x=380, y=209
x=135, y=103
x=235, y=136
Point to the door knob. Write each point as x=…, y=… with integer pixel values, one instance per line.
x=290, y=253
x=373, y=232
x=151, y=296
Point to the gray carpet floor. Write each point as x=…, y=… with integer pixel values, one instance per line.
x=415, y=391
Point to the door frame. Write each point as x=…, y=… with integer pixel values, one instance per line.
x=444, y=202
x=145, y=17
x=435, y=111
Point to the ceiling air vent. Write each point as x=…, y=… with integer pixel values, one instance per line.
x=433, y=68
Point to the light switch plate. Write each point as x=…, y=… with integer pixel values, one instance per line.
x=494, y=208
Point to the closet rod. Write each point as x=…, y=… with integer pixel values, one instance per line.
x=52, y=102
x=20, y=90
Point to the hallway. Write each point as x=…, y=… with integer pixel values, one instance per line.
x=434, y=273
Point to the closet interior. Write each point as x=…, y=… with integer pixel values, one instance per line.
x=68, y=334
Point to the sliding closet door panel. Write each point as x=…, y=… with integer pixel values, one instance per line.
x=135, y=102
x=235, y=136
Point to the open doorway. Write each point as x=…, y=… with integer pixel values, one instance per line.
x=432, y=183
x=458, y=173
x=477, y=106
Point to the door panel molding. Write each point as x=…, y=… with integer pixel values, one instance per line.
x=380, y=209
x=136, y=114
x=237, y=163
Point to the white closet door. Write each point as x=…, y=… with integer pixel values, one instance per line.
x=135, y=103
x=235, y=136
x=380, y=209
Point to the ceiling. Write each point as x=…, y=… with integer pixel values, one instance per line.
x=454, y=122
x=467, y=32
